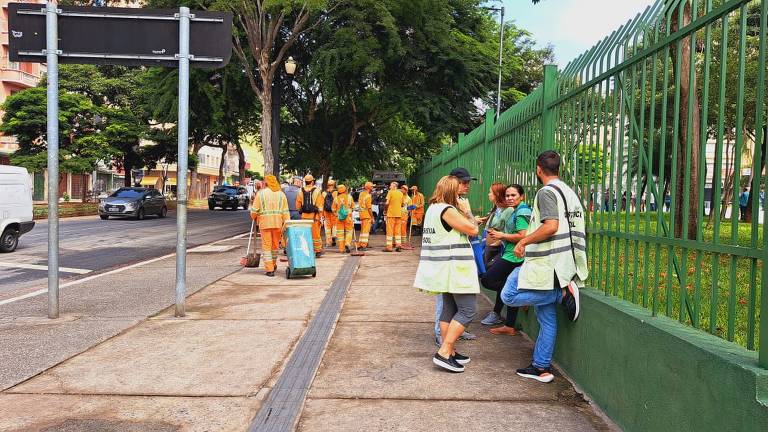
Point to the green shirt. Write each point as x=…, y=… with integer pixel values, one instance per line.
x=514, y=225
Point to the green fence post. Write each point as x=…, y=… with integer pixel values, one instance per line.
x=548, y=115
x=489, y=155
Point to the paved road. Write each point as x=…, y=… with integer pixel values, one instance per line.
x=90, y=245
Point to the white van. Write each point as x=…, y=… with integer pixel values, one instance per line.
x=15, y=206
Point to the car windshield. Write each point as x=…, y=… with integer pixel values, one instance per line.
x=127, y=193
x=228, y=191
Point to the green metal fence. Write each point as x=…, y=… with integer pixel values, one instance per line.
x=660, y=126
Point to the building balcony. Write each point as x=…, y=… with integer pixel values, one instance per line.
x=9, y=74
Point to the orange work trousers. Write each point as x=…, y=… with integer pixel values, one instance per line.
x=394, y=231
x=317, y=240
x=365, y=232
x=330, y=227
x=344, y=232
x=270, y=241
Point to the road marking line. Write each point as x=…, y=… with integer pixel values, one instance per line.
x=44, y=267
x=111, y=272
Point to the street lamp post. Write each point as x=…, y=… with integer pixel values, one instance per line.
x=501, y=54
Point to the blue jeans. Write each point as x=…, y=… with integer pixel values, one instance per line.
x=438, y=311
x=544, y=304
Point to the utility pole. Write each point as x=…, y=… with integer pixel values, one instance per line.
x=501, y=54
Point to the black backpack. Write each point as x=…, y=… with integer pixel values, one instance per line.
x=328, y=203
x=308, y=206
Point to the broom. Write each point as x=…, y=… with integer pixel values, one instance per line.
x=250, y=260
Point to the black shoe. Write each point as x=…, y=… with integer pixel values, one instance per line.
x=318, y=254
x=449, y=364
x=461, y=359
x=540, y=375
x=571, y=304
x=271, y=274
x=346, y=249
x=398, y=249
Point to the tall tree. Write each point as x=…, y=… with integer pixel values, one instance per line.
x=267, y=30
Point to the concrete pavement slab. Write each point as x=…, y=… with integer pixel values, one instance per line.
x=66, y=413
x=229, y=301
x=341, y=415
x=30, y=345
x=394, y=361
x=368, y=302
x=176, y=358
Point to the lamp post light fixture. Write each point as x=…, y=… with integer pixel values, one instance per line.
x=290, y=66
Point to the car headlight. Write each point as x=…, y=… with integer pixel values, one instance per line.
x=130, y=206
x=211, y=196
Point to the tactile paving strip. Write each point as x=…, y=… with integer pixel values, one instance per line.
x=282, y=407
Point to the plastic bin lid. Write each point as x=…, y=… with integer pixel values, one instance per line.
x=299, y=222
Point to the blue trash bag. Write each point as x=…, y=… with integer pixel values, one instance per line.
x=478, y=248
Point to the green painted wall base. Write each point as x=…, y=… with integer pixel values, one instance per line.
x=654, y=374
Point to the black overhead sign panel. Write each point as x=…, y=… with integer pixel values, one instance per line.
x=123, y=36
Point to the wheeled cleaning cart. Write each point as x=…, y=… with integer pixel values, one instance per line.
x=301, y=253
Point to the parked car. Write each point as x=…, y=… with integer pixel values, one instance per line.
x=15, y=206
x=230, y=197
x=136, y=202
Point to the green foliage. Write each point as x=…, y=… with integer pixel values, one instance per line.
x=80, y=144
x=383, y=82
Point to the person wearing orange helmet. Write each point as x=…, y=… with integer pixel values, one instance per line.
x=329, y=195
x=270, y=208
x=309, y=202
x=342, y=208
x=394, y=206
x=365, y=202
x=418, y=201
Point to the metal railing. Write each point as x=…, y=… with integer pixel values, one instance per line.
x=660, y=127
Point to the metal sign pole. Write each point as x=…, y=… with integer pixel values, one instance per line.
x=52, y=47
x=181, y=171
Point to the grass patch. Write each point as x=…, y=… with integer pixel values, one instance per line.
x=40, y=211
x=713, y=291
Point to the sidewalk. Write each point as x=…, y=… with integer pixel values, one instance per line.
x=212, y=370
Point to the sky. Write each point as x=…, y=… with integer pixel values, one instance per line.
x=571, y=26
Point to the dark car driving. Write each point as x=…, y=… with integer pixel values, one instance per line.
x=133, y=202
x=230, y=197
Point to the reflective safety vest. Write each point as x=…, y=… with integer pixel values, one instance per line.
x=555, y=255
x=272, y=208
x=365, y=202
x=447, y=263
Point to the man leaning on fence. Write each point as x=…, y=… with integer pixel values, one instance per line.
x=555, y=262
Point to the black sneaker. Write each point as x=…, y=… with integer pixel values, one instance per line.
x=571, y=304
x=449, y=364
x=540, y=375
x=460, y=358
x=318, y=254
x=271, y=274
x=346, y=249
x=398, y=249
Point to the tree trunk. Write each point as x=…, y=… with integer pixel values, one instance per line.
x=241, y=160
x=221, y=165
x=688, y=91
x=755, y=188
x=277, y=98
x=266, y=131
x=127, y=167
x=727, y=189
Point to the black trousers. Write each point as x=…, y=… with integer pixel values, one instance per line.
x=494, y=279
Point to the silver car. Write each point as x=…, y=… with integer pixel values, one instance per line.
x=133, y=202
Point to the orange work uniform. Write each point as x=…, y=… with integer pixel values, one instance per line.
x=317, y=199
x=271, y=209
x=330, y=219
x=394, y=218
x=365, y=202
x=344, y=227
x=418, y=213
